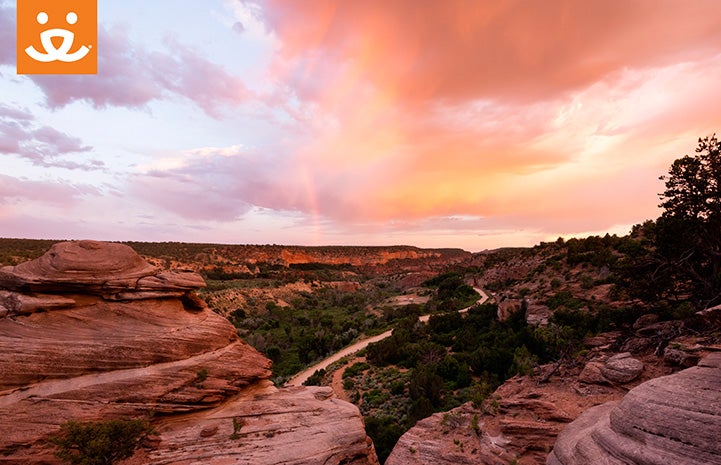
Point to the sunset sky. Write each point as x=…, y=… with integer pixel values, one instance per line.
x=472, y=124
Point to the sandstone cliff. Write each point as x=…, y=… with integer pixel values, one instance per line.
x=673, y=419
x=91, y=331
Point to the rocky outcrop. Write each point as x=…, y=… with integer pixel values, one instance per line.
x=619, y=369
x=108, y=270
x=520, y=422
x=289, y=426
x=90, y=331
x=454, y=442
x=537, y=314
x=672, y=419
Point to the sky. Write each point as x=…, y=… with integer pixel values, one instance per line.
x=457, y=123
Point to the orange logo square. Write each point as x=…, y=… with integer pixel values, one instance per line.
x=57, y=36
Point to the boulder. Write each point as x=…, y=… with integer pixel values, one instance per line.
x=665, y=330
x=537, y=314
x=638, y=345
x=645, y=320
x=673, y=419
x=591, y=373
x=622, y=368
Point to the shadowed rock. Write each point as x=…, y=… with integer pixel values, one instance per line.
x=674, y=419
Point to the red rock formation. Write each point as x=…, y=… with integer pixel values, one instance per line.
x=674, y=419
x=91, y=331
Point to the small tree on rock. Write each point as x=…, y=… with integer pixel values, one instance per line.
x=100, y=442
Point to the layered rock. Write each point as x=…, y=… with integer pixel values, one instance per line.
x=433, y=440
x=90, y=331
x=519, y=422
x=108, y=270
x=289, y=426
x=672, y=419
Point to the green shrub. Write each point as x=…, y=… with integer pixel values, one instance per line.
x=524, y=362
x=200, y=376
x=385, y=431
x=316, y=378
x=99, y=442
x=398, y=387
x=355, y=369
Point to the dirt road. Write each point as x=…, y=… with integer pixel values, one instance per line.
x=301, y=377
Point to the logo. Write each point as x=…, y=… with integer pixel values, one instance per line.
x=57, y=36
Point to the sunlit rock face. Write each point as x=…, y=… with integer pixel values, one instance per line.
x=674, y=419
x=91, y=331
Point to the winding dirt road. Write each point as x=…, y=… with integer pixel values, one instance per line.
x=301, y=377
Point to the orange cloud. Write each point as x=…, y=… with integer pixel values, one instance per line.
x=545, y=112
x=456, y=49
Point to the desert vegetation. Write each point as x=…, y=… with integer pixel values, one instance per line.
x=100, y=442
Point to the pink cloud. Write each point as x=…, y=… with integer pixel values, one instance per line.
x=508, y=49
x=46, y=192
x=7, y=35
x=215, y=186
x=131, y=76
x=416, y=109
x=41, y=145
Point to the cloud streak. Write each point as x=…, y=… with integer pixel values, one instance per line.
x=131, y=76
x=40, y=145
x=46, y=192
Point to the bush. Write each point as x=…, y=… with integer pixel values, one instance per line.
x=100, y=442
x=316, y=378
x=355, y=369
x=524, y=362
x=384, y=431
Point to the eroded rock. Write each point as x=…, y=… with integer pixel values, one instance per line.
x=674, y=419
x=537, y=314
x=288, y=426
x=120, y=342
x=519, y=422
x=592, y=374
x=110, y=270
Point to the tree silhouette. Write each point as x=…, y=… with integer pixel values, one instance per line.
x=688, y=233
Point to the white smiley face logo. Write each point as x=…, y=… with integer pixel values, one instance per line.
x=51, y=52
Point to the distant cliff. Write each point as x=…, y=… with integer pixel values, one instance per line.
x=252, y=258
